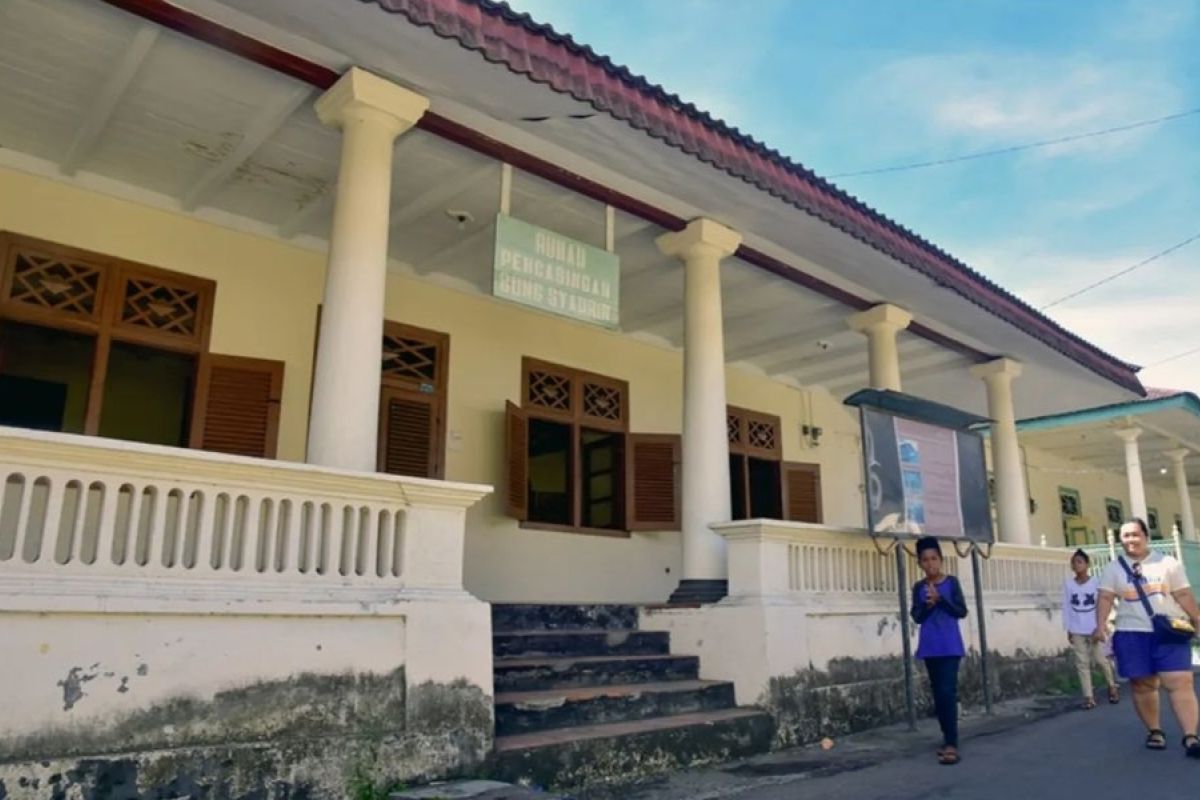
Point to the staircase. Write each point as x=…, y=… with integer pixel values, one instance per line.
x=583, y=696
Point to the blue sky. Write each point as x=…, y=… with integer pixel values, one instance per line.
x=857, y=84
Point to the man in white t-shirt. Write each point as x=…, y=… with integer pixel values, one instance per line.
x=1145, y=661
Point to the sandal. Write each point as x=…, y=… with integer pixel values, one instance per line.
x=1088, y=704
x=1114, y=695
x=1156, y=739
x=1191, y=745
x=948, y=757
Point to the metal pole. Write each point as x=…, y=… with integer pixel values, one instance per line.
x=910, y=699
x=983, y=648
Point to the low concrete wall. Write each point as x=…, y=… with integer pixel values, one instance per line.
x=181, y=650
x=290, y=701
x=811, y=629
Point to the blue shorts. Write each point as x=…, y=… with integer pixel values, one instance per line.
x=1139, y=656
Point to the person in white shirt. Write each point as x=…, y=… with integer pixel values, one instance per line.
x=1142, y=657
x=1080, y=593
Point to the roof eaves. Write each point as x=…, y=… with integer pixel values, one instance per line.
x=1185, y=400
x=621, y=93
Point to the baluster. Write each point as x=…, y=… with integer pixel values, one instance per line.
x=110, y=502
x=129, y=549
x=369, y=538
x=382, y=567
x=287, y=560
x=156, y=534
x=24, y=503
x=268, y=531
x=50, y=523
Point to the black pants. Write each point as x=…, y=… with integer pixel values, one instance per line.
x=943, y=681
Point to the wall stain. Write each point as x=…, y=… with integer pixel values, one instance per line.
x=72, y=685
x=855, y=694
x=299, y=738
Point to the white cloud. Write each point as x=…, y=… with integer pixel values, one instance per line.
x=995, y=99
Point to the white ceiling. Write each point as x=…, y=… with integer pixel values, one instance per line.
x=87, y=91
x=1096, y=444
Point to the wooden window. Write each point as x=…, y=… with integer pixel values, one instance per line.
x=412, y=403
x=802, y=492
x=762, y=485
x=131, y=358
x=572, y=462
x=237, y=405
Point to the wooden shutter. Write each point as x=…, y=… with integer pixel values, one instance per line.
x=652, y=476
x=516, y=455
x=802, y=492
x=407, y=422
x=236, y=405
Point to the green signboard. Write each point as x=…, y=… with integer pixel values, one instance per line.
x=546, y=270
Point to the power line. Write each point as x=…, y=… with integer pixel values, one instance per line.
x=1019, y=147
x=1125, y=271
x=1174, y=357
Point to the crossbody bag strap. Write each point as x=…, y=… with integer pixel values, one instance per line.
x=1138, y=586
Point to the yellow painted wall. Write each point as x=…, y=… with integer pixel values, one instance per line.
x=267, y=295
x=267, y=291
x=487, y=341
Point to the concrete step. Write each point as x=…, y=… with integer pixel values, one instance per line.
x=581, y=755
x=537, y=674
x=527, y=712
x=510, y=617
x=580, y=643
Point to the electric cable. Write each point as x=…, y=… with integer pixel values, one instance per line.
x=1019, y=147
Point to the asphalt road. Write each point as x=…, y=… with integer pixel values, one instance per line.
x=1095, y=754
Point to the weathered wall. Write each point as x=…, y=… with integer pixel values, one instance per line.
x=226, y=705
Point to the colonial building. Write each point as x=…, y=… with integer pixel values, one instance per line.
x=335, y=334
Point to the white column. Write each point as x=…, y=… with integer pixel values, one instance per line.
x=371, y=112
x=1012, y=495
x=701, y=246
x=1133, y=471
x=1185, y=497
x=881, y=323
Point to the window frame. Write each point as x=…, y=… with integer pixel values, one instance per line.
x=108, y=321
x=1110, y=502
x=576, y=417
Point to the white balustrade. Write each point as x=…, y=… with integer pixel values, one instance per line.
x=769, y=558
x=85, y=505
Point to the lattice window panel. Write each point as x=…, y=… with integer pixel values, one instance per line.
x=1069, y=505
x=548, y=390
x=160, y=307
x=64, y=287
x=602, y=402
x=733, y=425
x=412, y=359
x=761, y=435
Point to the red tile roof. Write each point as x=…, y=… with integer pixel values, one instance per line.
x=540, y=53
